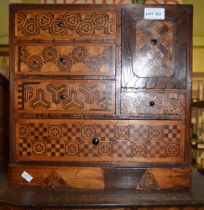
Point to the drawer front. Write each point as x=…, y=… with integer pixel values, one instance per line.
x=153, y=103
x=154, y=53
x=65, y=24
x=100, y=178
x=66, y=59
x=100, y=140
x=63, y=96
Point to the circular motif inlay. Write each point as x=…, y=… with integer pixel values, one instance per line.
x=64, y=63
x=49, y=54
x=79, y=54
x=45, y=20
x=34, y=63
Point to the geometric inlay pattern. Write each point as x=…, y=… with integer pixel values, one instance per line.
x=64, y=96
x=154, y=49
x=55, y=148
x=39, y=100
x=73, y=139
x=54, y=180
x=57, y=92
x=66, y=59
x=148, y=182
x=156, y=55
x=73, y=23
x=39, y=147
x=169, y=103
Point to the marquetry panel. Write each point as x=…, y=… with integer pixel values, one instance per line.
x=66, y=59
x=132, y=141
x=59, y=177
x=74, y=96
x=100, y=178
x=155, y=55
x=154, y=103
x=153, y=49
x=65, y=24
x=100, y=96
x=147, y=178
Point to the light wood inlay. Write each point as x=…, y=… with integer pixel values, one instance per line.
x=67, y=96
x=76, y=59
x=63, y=24
x=134, y=141
x=153, y=103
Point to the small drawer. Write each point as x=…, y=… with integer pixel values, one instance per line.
x=65, y=96
x=69, y=59
x=133, y=141
x=153, y=103
x=65, y=24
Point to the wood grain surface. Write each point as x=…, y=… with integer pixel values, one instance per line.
x=153, y=102
x=81, y=96
x=119, y=141
x=10, y=207
x=78, y=59
x=63, y=24
x=100, y=90
x=100, y=178
x=154, y=55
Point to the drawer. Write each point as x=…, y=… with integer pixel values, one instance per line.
x=65, y=96
x=153, y=103
x=69, y=59
x=132, y=141
x=101, y=178
x=154, y=54
x=65, y=24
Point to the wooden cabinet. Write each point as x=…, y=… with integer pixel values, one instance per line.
x=100, y=97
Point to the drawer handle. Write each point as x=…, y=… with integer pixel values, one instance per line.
x=61, y=24
x=151, y=103
x=154, y=41
x=95, y=141
x=62, y=97
x=62, y=61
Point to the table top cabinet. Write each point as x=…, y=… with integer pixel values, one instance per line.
x=100, y=97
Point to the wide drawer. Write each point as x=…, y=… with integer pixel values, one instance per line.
x=133, y=141
x=100, y=177
x=65, y=96
x=153, y=103
x=65, y=24
x=69, y=59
